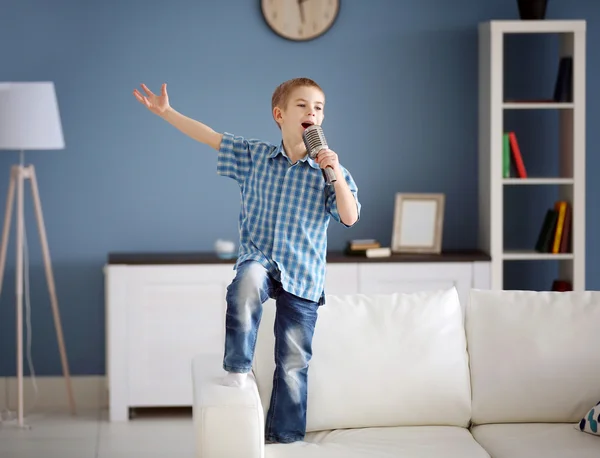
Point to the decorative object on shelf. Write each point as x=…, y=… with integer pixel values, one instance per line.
x=418, y=223
x=532, y=9
x=300, y=20
x=562, y=285
x=225, y=249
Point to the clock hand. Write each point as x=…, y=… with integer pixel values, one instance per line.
x=301, y=8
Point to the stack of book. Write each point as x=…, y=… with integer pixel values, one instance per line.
x=555, y=233
x=370, y=248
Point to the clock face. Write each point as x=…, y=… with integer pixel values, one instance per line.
x=300, y=20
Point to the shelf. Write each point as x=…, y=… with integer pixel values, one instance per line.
x=532, y=255
x=208, y=257
x=537, y=106
x=532, y=26
x=538, y=181
x=503, y=108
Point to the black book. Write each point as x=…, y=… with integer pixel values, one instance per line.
x=563, y=87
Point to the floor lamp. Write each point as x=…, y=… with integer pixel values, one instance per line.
x=29, y=120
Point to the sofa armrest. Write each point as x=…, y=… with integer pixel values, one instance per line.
x=228, y=422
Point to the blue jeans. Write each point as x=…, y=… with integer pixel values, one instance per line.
x=295, y=320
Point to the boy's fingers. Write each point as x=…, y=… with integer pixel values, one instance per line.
x=325, y=162
x=145, y=88
x=142, y=99
x=138, y=95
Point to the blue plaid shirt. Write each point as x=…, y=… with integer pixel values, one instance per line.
x=285, y=212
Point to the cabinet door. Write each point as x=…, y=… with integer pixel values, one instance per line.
x=341, y=278
x=174, y=313
x=385, y=278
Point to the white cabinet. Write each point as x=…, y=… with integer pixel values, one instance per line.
x=342, y=279
x=412, y=277
x=161, y=311
x=158, y=317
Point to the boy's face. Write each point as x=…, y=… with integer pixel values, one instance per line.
x=304, y=107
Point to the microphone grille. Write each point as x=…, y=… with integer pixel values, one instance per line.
x=314, y=140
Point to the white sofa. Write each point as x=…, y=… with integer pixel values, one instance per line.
x=510, y=374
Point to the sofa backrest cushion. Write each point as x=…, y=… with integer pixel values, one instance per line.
x=380, y=360
x=534, y=356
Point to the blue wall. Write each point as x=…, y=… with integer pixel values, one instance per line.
x=401, y=113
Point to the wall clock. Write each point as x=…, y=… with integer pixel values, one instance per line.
x=300, y=20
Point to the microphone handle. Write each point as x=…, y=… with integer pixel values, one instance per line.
x=329, y=175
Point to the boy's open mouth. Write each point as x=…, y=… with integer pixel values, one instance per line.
x=307, y=124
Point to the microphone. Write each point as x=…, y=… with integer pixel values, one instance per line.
x=314, y=140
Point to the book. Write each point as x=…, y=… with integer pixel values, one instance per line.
x=554, y=235
x=516, y=154
x=505, y=156
x=563, y=87
x=546, y=235
x=381, y=252
x=362, y=244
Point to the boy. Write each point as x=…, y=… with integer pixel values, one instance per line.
x=285, y=211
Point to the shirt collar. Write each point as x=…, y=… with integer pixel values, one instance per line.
x=281, y=150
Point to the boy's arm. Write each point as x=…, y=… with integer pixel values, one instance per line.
x=194, y=129
x=159, y=105
x=346, y=203
x=342, y=202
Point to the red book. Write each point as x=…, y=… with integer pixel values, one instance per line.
x=516, y=152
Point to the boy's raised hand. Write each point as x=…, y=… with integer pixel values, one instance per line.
x=157, y=104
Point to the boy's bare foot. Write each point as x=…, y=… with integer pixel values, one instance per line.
x=235, y=379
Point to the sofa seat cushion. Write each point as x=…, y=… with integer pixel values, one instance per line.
x=527, y=440
x=403, y=441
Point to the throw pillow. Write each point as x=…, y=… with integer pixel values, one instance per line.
x=590, y=423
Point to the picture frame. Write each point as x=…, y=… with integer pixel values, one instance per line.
x=418, y=223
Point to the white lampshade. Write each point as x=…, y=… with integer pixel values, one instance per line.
x=29, y=117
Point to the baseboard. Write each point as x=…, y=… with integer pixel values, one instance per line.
x=89, y=392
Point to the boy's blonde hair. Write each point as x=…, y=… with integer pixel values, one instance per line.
x=282, y=92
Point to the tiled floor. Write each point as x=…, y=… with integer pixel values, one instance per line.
x=90, y=435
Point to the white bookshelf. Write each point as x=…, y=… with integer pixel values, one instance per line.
x=570, y=180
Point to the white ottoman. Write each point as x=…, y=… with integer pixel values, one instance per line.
x=228, y=422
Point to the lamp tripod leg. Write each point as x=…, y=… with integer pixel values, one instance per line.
x=51, y=286
x=10, y=200
x=20, y=178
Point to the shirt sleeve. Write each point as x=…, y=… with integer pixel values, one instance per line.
x=234, y=159
x=331, y=201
